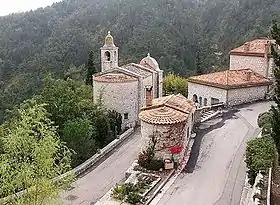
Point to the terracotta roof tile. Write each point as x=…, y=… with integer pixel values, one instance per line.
x=258, y=47
x=231, y=79
x=168, y=110
x=114, y=77
x=163, y=115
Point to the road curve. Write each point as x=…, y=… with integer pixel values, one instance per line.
x=89, y=188
x=216, y=171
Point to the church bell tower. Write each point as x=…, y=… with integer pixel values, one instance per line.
x=109, y=54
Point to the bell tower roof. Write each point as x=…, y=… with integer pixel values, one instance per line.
x=109, y=40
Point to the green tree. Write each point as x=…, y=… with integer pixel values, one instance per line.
x=115, y=119
x=90, y=68
x=174, y=84
x=260, y=155
x=78, y=133
x=78, y=119
x=32, y=157
x=276, y=109
x=65, y=99
x=76, y=73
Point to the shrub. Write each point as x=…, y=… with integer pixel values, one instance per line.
x=264, y=122
x=155, y=165
x=133, y=198
x=260, y=154
x=128, y=192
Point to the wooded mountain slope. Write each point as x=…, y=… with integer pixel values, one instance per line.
x=183, y=35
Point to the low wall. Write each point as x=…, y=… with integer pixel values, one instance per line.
x=95, y=158
x=87, y=164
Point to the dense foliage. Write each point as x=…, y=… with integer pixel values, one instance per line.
x=90, y=69
x=264, y=122
x=185, y=36
x=276, y=109
x=84, y=126
x=174, y=84
x=32, y=155
x=260, y=156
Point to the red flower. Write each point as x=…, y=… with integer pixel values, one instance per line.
x=176, y=149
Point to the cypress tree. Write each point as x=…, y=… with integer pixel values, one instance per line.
x=276, y=109
x=199, y=69
x=90, y=69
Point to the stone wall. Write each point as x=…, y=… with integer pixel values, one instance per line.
x=257, y=64
x=122, y=97
x=167, y=136
x=206, y=92
x=245, y=95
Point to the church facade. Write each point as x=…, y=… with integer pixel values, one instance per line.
x=126, y=88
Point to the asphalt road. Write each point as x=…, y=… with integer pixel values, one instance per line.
x=93, y=185
x=216, y=171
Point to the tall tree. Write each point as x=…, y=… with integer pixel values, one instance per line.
x=90, y=68
x=32, y=156
x=199, y=68
x=276, y=109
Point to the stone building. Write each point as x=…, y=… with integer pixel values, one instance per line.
x=170, y=119
x=254, y=55
x=231, y=87
x=126, y=88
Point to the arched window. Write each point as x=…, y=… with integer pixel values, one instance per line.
x=107, y=56
x=200, y=101
x=205, y=102
x=195, y=98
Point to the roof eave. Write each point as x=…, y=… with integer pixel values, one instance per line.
x=228, y=87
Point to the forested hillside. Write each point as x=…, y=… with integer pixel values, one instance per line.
x=183, y=35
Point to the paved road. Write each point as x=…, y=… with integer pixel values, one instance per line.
x=216, y=171
x=89, y=188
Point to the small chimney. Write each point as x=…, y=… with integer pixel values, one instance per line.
x=248, y=75
x=246, y=47
x=149, y=96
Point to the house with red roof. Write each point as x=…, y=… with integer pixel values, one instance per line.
x=248, y=79
x=254, y=55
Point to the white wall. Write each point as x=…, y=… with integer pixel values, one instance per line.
x=245, y=95
x=207, y=92
x=122, y=97
x=257, y=64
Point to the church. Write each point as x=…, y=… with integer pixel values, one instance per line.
x=127, y=88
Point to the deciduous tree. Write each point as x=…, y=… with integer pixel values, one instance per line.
x=174, y=84
x=32, y=157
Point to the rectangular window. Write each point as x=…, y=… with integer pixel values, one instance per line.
x=214, y=101
x=125, y=116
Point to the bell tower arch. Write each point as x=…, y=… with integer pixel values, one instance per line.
x=109, y=54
